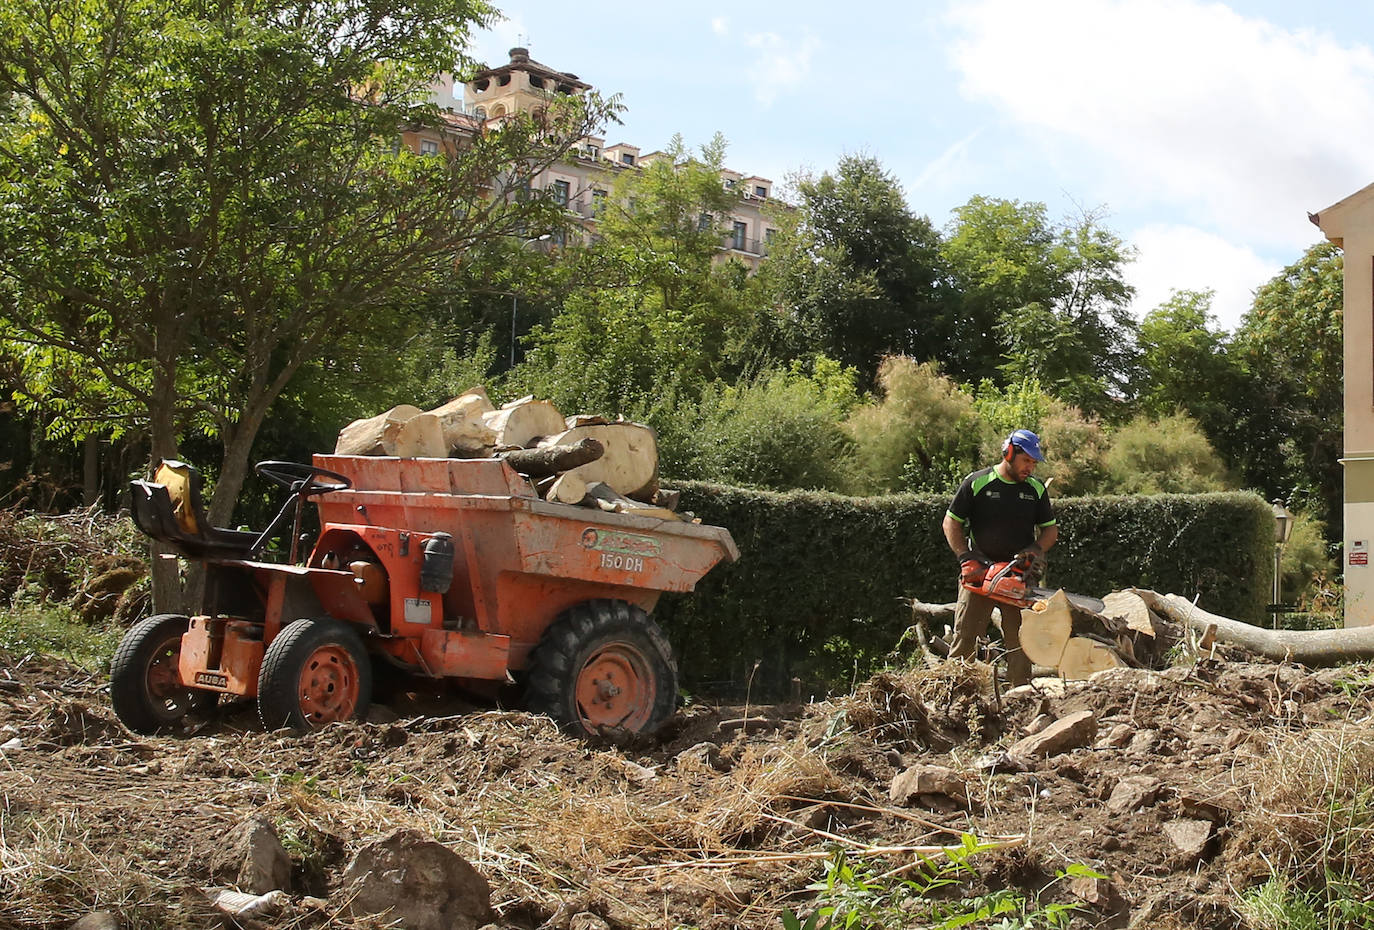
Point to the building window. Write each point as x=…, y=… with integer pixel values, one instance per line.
x=480, y=112
x=627, y=158
x=737, y=238
x=760, y=191
x=729, y=184
x=429, y=147
x=560, y=193
x=703, y=222
x=598, y=202
x=559, y=237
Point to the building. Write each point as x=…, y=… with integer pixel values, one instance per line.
x=583, y=181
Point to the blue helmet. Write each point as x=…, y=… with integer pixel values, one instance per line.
x=1027, y=442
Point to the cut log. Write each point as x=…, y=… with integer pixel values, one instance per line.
x=523, y=422
x=567, y=488
x=584, y=419
x=1129, y=606
x=466, y=434
x=668, y=499
x=1309, y=647
x=1045, y=631
x=612, y=502
x=630, y=464
x=375, y=435
x=420, y=437
x=550, y=460
x=1082, y=657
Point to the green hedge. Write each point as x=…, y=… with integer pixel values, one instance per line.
x=816, y=591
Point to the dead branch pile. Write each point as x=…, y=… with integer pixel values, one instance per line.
x=584, y=460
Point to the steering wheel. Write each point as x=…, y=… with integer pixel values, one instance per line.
x=301, y=477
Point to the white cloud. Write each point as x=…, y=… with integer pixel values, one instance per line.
x=1242, y=125
x=942, y=163
x=720, y=26
x=781, y=64
x=1188, y=258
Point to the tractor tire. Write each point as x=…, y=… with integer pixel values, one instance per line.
x=315, y=672
x=603, y=666
x=145, y=684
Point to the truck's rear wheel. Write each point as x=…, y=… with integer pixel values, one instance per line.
x=315, y=672
x=145, y=680
x=603, y=665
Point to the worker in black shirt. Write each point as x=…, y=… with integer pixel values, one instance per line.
x=997, y=514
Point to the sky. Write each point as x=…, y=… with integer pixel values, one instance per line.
x=1203, y=134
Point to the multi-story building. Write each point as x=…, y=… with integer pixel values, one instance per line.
x=584, y=180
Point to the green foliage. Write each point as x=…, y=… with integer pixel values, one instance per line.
x=197, y=201
x=1168, y=455
x=920, y=435
x=1186, y=363
x=657, y=317
x=814, y=567
x=851, y=895
x=1287, y=433
x=35, y=629
x=860, y=272
x=779, y=431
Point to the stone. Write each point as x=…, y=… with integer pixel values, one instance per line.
x=1118, y=737
x=1143, y=743
x=416, y=883
x=1039, y=723
x=1133, y=793
x=587, y=921
x=1099, y=892
x=97, y=920
x=1066, y=733
x=253, y=858
x=928, y=780
x=1190, y=837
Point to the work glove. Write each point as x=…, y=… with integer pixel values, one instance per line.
x=1034, y=558
x=973, y=566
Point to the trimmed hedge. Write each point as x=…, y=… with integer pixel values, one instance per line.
x=816, y=591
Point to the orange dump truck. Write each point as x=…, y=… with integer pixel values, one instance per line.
x=434, y=568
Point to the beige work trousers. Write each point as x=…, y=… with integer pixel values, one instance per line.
x=972, y=613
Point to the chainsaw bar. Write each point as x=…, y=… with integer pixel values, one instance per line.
x=1081, y=601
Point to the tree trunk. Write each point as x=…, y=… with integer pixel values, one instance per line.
x=550, y=460
x=1309, y=647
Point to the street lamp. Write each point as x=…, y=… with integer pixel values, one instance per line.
x=515, y=301
x=1283, y=531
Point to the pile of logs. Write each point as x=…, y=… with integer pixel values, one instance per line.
x=583, y=460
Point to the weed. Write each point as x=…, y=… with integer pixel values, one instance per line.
x=853, y=897
x=34, y=629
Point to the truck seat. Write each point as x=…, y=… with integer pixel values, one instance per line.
x=169, y=508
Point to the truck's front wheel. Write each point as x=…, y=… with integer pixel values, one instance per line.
x=314, y=673
x=603, y=665
x=145, y=677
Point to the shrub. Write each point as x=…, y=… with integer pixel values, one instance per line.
x=1170, y=455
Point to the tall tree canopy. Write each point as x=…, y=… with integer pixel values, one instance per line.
x=861, y=272
x=200, y=197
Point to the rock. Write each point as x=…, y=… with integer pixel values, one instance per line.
x=928, y=780
x=1099, y=892
x=1039, y=723
x=417, y=884
x=703, y=755
x=1190, y=837
x=1064, y=734
x=587, y=921
x=242, y=906
x=1143, y=743
x=1128, y=680
x=1133, y=793
x=97, y=920
x=253, y=858
x=1117, y=737
x=10, y=745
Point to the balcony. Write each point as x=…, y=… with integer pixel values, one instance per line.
x=758, y=247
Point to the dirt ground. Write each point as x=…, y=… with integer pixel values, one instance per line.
x=716, y=823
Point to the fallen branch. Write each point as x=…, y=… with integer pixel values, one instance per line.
x=1308, y=647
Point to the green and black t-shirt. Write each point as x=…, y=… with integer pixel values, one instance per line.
x=999, y=516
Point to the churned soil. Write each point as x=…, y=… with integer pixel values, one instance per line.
x=1186, y=788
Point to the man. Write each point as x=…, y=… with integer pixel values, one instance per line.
x=997, y=514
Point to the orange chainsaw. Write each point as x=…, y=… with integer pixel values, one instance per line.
x=1005, y=583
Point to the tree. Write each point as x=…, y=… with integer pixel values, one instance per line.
x=197, y=199
x=656, y=317
x=1040, y=299
x=1287, y=436
x=860, y=272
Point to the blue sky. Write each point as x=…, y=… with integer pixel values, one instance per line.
x=1204, y=132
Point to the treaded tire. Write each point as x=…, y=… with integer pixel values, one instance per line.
x=315, y=672
x=603, y=666
x=145, y=686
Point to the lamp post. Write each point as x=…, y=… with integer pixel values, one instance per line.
x=515, y=301
x=1283, y=530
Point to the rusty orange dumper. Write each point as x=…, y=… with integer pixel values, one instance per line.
x=437, y=568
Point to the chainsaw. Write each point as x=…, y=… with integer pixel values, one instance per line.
x=1005, y=583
